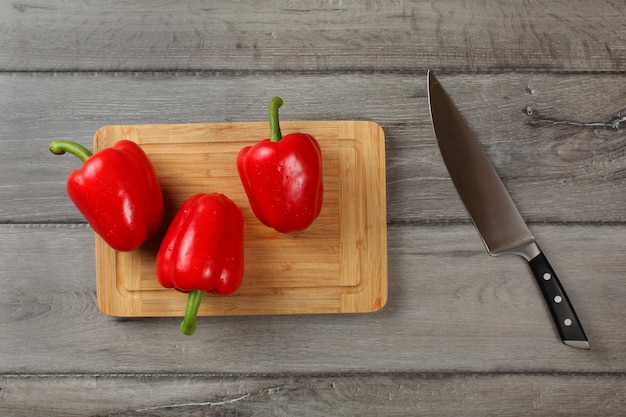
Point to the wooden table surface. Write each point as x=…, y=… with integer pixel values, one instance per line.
x=542, y=84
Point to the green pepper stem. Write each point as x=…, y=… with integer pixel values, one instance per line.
x=59, y=147
x=275, y=134
x=188, y=326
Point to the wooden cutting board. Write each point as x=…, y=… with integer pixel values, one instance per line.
x=338, y=265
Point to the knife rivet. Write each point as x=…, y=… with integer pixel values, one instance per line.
x=547, y=276
x=567, y=322
x=558, y=299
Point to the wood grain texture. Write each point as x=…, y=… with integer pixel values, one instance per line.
x=540, y=82
x=451, y=308
x=312, y=35
x=319, y=395
x=550, y=159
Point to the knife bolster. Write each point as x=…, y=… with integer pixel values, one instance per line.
x=529, y=251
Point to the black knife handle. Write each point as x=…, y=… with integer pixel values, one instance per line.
x=563, y=313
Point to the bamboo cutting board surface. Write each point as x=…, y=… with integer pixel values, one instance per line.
x=338, y=265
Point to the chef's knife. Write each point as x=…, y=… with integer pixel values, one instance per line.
x=492, y=210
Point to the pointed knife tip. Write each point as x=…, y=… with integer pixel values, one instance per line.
x=431, y=80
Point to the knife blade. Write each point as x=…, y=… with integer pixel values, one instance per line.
x=500, y=224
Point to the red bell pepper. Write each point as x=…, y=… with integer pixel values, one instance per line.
x=202, y=251
x=117, y=191
x=282, y=177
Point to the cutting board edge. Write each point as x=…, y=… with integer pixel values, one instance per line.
x=129, y=308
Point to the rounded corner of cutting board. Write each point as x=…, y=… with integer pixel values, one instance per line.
x=101, y=137
x=106, y=308
x=381, y=302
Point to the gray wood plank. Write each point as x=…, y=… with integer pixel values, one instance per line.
x=549, y=136
x=323, y=395
x=309, y=35
x=451, y=308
